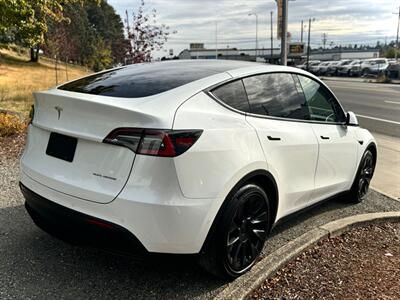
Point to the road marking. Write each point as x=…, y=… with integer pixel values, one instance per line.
x=393, y=102
x=379, y=119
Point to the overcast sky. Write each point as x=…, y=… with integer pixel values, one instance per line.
x=344, y=21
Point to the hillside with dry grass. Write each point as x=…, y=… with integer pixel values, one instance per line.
x=19, y=78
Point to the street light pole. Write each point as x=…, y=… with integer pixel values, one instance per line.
x=397, y=37
x=216, y=39
x=272, y=38
x=308, y=44
x=284, y=32
x=256, y=15
x=301, y=39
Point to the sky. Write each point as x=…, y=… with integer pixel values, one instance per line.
x=344, y=21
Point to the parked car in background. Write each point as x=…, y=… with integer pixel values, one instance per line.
x=311, y=63
x=374, y=66
x=345, y=69
x=333, y=68
x=189, y=157
x=321, y=68
x=393, y=70
x=355, y=69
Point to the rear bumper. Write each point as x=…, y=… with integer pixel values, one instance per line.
x=78, y=228
x=161, y=222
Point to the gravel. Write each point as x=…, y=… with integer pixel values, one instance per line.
x=10, y=151
x=361, y=264
x=35, y=265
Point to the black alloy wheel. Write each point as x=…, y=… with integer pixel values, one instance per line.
x=239, y=233
x=363, y=179
x=247, y=233
x=366, y=173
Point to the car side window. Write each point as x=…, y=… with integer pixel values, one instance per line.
x=234, y=95
x=321, y=103
x=276, y=95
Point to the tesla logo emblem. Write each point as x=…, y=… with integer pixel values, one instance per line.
x=59, y=110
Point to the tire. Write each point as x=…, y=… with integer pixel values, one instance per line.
x=239, y=235
x=363, y=178
x=365, y=72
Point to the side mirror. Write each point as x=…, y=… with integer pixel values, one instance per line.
x=351, y=119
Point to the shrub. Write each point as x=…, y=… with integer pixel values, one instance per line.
x=11, y=124
x=383, y=78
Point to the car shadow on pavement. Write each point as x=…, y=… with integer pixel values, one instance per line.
x=36, y=265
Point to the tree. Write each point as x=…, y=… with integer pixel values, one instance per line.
x=108, y=25
x=30, y=19
x=145, y=35
x=95, y=38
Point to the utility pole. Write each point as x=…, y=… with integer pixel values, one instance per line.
x=397, y=37
x=216, y=39
x=324, y=39
x=308, y=45
x=272, y=38
x=284, y=32
x=302, y=26
x=256, y=50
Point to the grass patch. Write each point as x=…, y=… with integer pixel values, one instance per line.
x=19, y=78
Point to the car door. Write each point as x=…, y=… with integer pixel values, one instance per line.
x=277, y=112
x=337, y=142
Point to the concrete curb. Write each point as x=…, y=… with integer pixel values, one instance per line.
x=242, y=287
x=348, y=79
x=359, y=80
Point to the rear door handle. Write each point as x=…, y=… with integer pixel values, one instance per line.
x=271, y=138
x=324, y=137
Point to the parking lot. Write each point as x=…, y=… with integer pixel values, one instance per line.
x=382, y=68
x=34, y=265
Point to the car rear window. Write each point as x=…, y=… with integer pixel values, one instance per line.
x=141, y=80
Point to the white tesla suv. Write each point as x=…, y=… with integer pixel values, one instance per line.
x=191, y=157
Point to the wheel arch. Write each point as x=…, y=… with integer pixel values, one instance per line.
x=372, y=147
x=262, y=178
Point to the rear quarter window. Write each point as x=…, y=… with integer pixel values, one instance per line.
x=234, y=95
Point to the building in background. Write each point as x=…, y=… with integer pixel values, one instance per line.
x=297, y=53
x=338, y=54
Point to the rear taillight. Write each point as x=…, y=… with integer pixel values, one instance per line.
x=155, y=142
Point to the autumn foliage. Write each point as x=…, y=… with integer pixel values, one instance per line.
x=11, y=124
x=145, y=35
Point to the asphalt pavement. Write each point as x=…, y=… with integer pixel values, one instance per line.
x=378, y=109
x=377, y=105
x=34, y=265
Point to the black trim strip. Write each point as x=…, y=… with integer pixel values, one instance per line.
x=292, y=215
